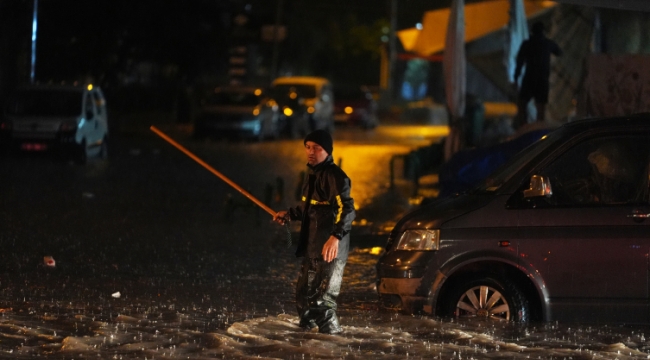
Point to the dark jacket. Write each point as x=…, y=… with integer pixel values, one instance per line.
x=326, y=209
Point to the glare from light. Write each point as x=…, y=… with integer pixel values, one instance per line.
x=256, y=111
x=258, y=92
x=287, y=111
x=376, y=250
x=311, y=109
x=254, y=125
x=293, y=95
x=418, y=26
x=90, y=87
x=348, y=110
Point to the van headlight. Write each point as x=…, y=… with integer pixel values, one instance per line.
x=419, y=240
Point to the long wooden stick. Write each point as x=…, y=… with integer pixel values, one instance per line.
x=212, y=170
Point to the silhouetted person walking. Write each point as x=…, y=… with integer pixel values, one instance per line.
x=535, y=54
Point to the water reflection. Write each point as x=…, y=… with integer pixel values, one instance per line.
x=231, y=325
x=194, y=285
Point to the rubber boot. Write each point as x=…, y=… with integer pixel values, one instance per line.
x=329, y=323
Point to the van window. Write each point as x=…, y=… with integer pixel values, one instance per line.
x=90, y=107
x=98, y=102
x=45, y=102
x=294, y=91
x=608, y=170
x=502, y=174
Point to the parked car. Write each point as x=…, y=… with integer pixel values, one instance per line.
x=72, y=119
x=559, y=232
x=238, y=112
x=306, y=102
x=354, y=105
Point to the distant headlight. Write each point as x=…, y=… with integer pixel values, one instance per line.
x=419, y=240
x=348, y=110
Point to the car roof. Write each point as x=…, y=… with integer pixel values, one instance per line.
x=301, y=80
x=237, y=88
x=641, y=119
x=57, y=87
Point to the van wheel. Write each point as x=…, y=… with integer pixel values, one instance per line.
x=487, y=298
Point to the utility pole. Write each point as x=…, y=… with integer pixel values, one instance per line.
x=34, y=25
x=276, y=40
x=392, y=44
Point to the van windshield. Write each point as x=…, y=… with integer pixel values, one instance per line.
x=45, y=102
x=517, y=162
x=294, y=91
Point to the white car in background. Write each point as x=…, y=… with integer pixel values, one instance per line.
x=307, y=102
x=66, y=118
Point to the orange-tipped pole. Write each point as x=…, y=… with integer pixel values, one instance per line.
x=212, y=170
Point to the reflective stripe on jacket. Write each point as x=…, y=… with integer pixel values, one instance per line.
x=330, y=210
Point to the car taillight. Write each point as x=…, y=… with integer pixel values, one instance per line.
x=5, y=125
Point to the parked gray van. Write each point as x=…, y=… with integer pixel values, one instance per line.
x=560, y=232
x=67, y=118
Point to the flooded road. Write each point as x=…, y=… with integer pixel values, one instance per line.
x=147, y=255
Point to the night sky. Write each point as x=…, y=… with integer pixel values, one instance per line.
x=105, y=39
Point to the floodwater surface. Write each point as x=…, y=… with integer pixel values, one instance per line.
x=149, y=256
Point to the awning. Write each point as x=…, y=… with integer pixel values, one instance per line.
x=481, y=19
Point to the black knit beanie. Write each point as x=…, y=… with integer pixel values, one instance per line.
x=322, y=138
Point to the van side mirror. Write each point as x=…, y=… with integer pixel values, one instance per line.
x=539, y=186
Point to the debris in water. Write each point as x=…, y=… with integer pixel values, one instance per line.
x=49, y=261
x=88, y=195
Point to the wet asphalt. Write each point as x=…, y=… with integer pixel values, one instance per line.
x=148, y=255
x=151, y=226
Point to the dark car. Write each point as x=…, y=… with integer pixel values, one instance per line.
x=238, y=112
x=355, y=105
x=559, y=232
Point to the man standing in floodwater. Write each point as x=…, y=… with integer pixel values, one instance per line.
x=326, y=213
x=535, y=54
